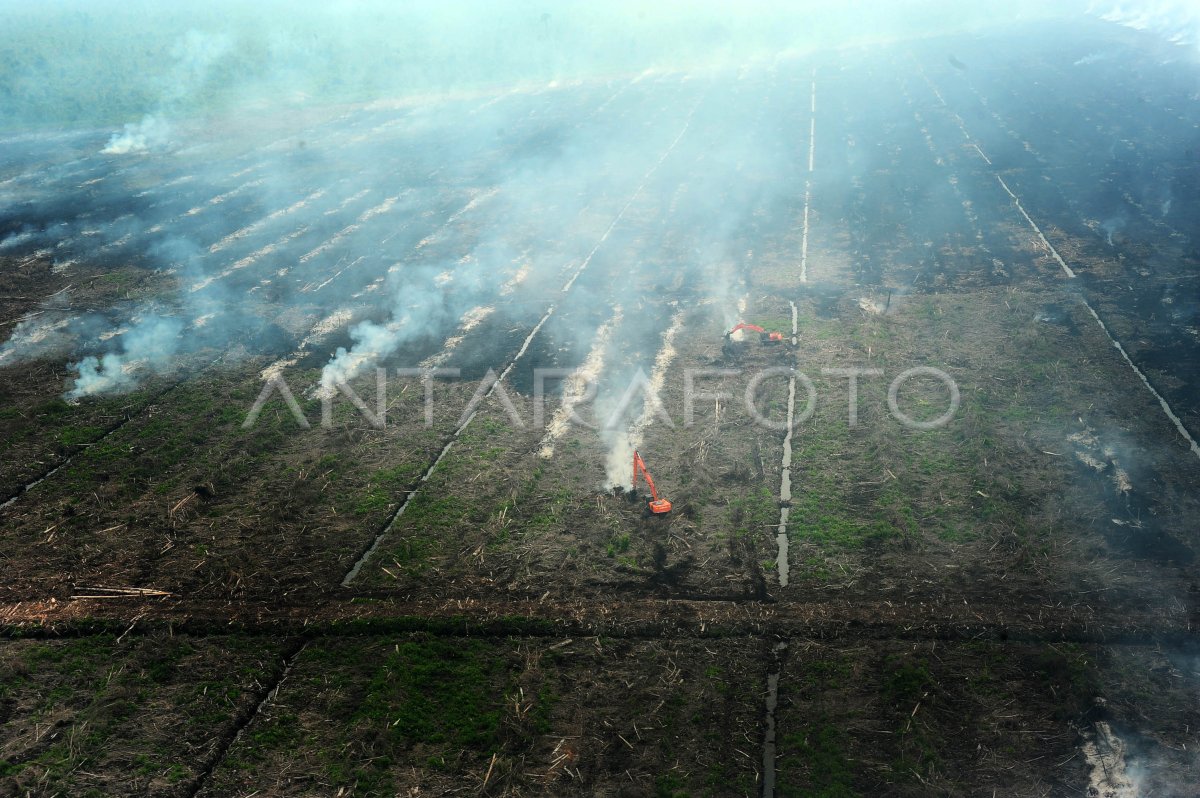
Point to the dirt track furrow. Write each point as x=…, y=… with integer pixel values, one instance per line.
x=935, y=619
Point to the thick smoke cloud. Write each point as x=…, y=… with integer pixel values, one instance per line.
x=152, y=131
x=109, y=62
x=150, y=344
x=366, y=178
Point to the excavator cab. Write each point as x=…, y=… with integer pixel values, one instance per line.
x=657, y=505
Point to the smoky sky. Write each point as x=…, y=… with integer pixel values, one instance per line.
x=111, y=62
x=354, y=181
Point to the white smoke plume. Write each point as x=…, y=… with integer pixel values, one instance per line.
x=1111, y=226
x=35, y=336
x=150, y=344
x=151, y=133
x=195, y=55
x=420, y=306
x=638, y=407
x=16, y=240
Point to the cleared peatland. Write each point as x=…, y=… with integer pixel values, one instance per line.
x=1005, y=603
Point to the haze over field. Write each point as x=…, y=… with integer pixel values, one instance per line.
x=472, y=96
x=364, y=180
x=993, y=204
x=109, y=62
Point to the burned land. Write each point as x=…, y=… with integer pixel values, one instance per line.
x=202, y=596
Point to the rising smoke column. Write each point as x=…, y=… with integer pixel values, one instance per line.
x=150, y=345
x=424, y=301
x=150, y=133
x=625, y=419
x=195, y=55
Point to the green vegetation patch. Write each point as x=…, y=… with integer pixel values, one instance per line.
x=818, y=754
x=437, y=692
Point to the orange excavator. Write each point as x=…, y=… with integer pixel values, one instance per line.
x=657, y=506
x=764, y=336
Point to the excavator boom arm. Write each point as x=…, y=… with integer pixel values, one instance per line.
x=640, y=466
x=659, y=506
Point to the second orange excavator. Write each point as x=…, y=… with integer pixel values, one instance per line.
x=657, y=506
x=764, y=336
